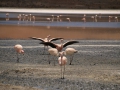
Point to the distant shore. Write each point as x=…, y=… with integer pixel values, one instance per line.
x=23, y=32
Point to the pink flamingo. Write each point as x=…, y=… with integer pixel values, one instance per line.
x=68, y=19
x=84, y=19
x=33, y=19
x=19, y=50
x=110, y=18
x=116, y=19
x=71, y=52
x=68, y=51
x=48, y=19
x=62, y=60
x=59, y=47
x=30, y=17
x=53, y=52
x=46, y=40
x=7, y=16
x=52, y=18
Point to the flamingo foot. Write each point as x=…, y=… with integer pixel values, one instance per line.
x=18, y=60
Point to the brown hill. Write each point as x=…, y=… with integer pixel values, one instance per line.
x=71, y=4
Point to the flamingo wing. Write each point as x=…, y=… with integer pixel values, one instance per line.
x=49, y=44
x=37, y=38
x=54, y=39
x=69, y=43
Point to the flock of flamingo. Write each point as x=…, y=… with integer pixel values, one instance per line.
x=55, y=50
x=30, y=17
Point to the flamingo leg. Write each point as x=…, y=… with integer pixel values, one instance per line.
x=49, y=58
x=54, y=60
x=44, y=50
x=17, y=58
x=63, y=72
x=71, y=59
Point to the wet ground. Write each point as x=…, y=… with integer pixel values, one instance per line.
x=96, y=66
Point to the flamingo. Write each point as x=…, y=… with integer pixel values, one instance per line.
x=46, y=40
x=92, y=18
x=110, y=18
x=19, y=50
x=19, y=18
x=52, y=18
x=116, y=19
x=30, y=17
x=26, y=17
x=95, y=18
x=84, y=19
x=58, y=17
x=23, y=17
x=54, y=52
x=48, y=19
x=59, y=47
x=7, y=16
x=33, y=19
x=62, y=60
x=68, y=19
x=68, y=51
x=71, y=52
x=84, y=15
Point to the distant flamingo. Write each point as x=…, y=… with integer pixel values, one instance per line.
x=59, y=47
x=110, y=18
x=62, y=60
x=19, y=18
x=92, y=18
x=58, y=17
x=116, y=19
x=95, y=18
x=30, y=17
x=53, y=52
x=46, y=40
x=68, y=19
x=71, y=52
x=7, y=16
x=33, y=19
x=19, y=50
x=84, y=19
x=23, y=17
x=48, y=19
x=26, y=17
x=52, y=18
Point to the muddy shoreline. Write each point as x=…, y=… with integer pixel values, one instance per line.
x=94, y=67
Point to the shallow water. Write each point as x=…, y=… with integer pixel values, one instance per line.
x=75, y=17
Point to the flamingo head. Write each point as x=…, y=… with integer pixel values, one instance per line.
x=62, y=40
x=22, y=51
x=48, y=36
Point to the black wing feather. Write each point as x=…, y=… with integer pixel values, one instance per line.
x=35, y=38
x=69, y=43
x=49, y=44
x=54, y=39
